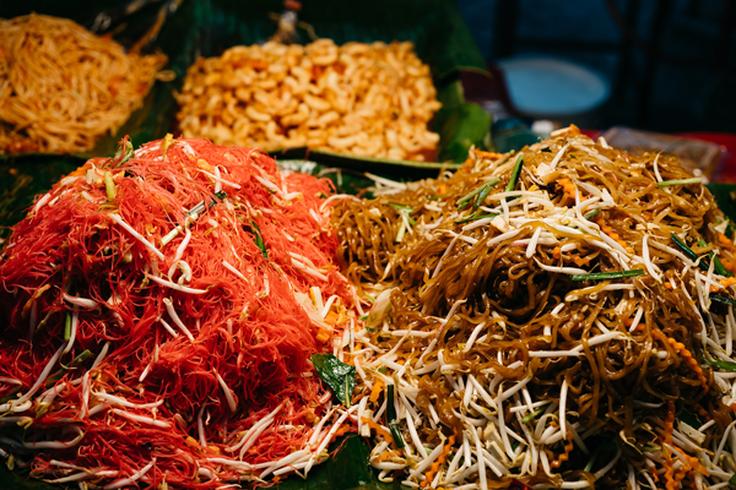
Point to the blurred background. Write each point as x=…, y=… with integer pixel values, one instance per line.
x=663, y=65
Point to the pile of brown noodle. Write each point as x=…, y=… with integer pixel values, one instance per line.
x=569, y=327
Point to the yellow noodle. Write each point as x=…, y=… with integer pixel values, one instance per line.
x=62, y=87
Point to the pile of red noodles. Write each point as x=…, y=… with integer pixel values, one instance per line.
x=125, y=361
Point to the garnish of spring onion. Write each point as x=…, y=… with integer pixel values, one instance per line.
x=391, y=417
x=718, y=266
x=475, y=217
x=605, y=276
x=668, y=183
x=515, y=173
x=477, y=195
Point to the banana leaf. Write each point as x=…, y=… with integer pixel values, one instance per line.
x=348, y=469
x=22, y=179
x=461, y=124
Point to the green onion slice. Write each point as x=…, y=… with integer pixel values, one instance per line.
x=605, y=276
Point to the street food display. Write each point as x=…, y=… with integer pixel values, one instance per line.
x=191, y=313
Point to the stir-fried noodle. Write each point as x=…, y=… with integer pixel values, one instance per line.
x=571, y=325
x=159, y=310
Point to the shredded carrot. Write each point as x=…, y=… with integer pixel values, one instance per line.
x=628, y=321
x=685, y=355
x=341, y=431
x=565, y=454
x=580, y=261
x=694, y=464
x=568, y=188
x=729, y=264
x=612, y=233
x=377, y=427
x=383, y=456
x=377, y=389
x=690, y=360
x=728, y=281
x=726, y=242
x=438, y=462
x=655, y=475
x=492, y=155
x=556, y=252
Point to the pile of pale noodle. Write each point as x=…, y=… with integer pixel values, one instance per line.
x=62, y=87
x=371, y=100
x=561, y=317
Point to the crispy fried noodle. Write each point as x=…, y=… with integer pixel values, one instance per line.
x=62, y=87
x=371, y=100
x=561, y=316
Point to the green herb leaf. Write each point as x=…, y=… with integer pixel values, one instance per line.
x=461, y=126
x=396, y=434
x=515, y=173
x=481, y=197
x=401, y=207
x=79, y=359
x=604, y=276
x=704, y=264
x=340, y=377
x=390, y=404
x=719, y=268
x=349, y=468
